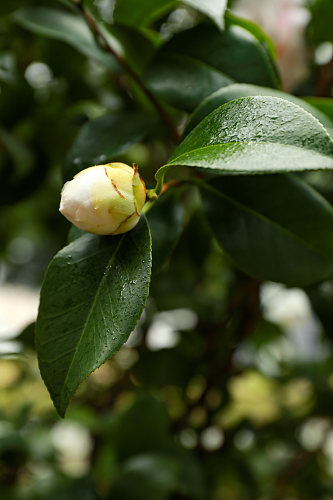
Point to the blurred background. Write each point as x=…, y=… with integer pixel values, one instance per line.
x=191, y=407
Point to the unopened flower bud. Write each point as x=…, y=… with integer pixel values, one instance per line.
x=104, y=199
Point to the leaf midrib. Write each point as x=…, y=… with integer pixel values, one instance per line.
x=104, y=277
x=244, y=143
x=268, y=221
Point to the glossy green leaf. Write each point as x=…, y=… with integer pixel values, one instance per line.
x=134, y=13
x=93, y=293
x=212, y=8
x=255, y=135
x=63, y=26
x=200, y=60
x=166, y=221
x=101, y=140
x=274, y=227
x=237, y=90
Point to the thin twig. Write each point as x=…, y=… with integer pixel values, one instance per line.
x=164, y=116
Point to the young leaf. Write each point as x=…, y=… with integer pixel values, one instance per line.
x=63, y=26
x=274, y=227
x=200, y=60
x=255, y=135
x=237, y=90
x=100, y=140
x=93, y=293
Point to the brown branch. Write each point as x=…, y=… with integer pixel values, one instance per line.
x=164, y=116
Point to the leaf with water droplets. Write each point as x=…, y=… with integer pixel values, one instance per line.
x=93, y=294
x=237, y=90
x=254, y=135
x=101, y=140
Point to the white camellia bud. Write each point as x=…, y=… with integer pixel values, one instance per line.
x=104, y=199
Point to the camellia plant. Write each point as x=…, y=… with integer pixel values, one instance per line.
x=193, y=182
x=242, y=156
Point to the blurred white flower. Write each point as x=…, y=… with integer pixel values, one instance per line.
x=285, y=22
x=163, y=333
x=18, y=308
x=74, y=444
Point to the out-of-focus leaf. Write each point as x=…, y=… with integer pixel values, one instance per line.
x=273, y=227
x=138, y=49
x=22, y=169
x=256, y=31
x=74, y=233
x=63, y=26
x=324, y=104
x=136, y=14
x=321, y=22
x=212, y=8
x=237, y=90
x=8, y=6
x=321, y=297
x=128, y=42
x=254, y=135
x=165, y=219
x=143, y=427
x=100, y=140
x=201, y=60
x=93, y=294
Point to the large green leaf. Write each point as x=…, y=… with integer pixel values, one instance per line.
x=101, y=140
x=63, y=26
x=237, y=90
x=274, y=227
x=255, y=135
x=93, y=293
x=200, y=60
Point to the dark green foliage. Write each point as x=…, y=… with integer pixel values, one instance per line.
x=188, y=365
